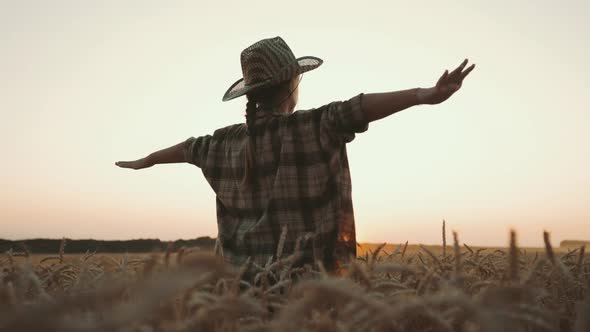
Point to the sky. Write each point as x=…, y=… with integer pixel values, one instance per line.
x=86, y=83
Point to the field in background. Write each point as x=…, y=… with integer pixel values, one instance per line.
x=111, y=260
x=387, y=288
x=364, y=248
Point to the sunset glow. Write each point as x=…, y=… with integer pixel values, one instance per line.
x=82, y=86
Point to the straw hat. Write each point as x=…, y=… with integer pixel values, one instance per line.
x=266, y=63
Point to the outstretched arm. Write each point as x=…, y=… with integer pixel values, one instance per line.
x=173, y=154
x=379, y=105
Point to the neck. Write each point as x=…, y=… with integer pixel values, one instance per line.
x=285, y=108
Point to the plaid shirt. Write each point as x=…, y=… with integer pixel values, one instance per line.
x=301, y=181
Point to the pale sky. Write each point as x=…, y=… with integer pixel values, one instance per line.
x=86, y=83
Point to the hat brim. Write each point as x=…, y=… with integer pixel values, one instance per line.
x=299, y=66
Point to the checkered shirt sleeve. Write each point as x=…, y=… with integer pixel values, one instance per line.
x=196, y=149
x=341, y=120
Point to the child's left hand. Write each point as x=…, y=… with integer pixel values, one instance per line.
x=136, y=164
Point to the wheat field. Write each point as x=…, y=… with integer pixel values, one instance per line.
x=387, y=288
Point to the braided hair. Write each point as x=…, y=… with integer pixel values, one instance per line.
x=254, y=99
x=251, y=108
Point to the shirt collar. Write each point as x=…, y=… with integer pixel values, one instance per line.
x=265, y=114
x=269, y=110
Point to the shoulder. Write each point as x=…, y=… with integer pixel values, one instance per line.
x=231, y=131
x=305, y=115
x=312, y=115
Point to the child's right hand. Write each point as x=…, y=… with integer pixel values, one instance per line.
x=136, y=164
x=447, y=85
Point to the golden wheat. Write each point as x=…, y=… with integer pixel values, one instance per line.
x=471, y=290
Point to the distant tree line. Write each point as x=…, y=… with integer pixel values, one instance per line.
x=51, y=246
x=46, y=246
x=574, y=244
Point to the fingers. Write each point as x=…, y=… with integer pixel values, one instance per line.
x=459, y=74
x=443, y=78
x=456, y=76
x=124, y=164
x=467, y=71
x=458, y=69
